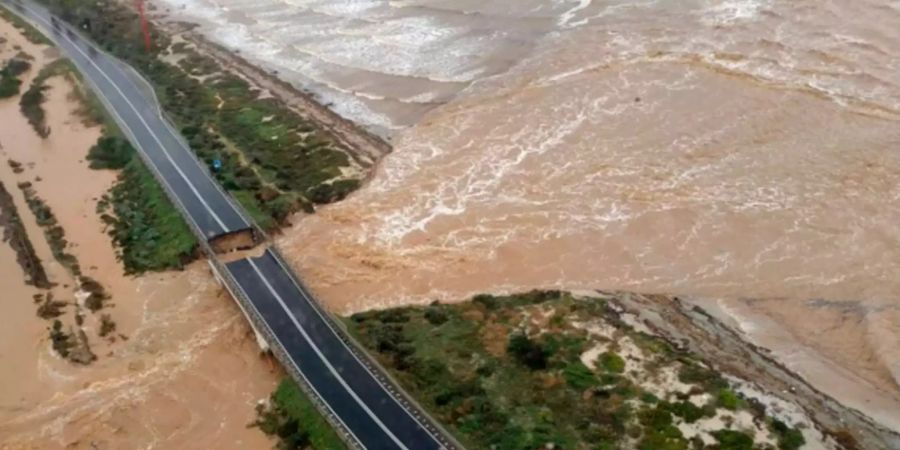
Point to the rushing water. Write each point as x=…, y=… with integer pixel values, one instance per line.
x=721, y=149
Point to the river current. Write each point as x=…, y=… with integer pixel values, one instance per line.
x=744, y=152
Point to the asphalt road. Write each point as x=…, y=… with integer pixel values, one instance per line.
x=211, y=211
x=355, y=394
x=349, y=388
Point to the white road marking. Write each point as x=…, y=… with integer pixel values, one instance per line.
x=293, y=363
x=322, y=357
x=401, y=402
x=138, y=114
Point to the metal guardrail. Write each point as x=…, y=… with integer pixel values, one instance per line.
x=378, y=372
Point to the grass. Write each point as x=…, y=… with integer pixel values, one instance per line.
x=274, y=161
x=497, y=381
x=294, y=419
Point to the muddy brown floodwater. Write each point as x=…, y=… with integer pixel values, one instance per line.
x=186, y=374
x=721, y=150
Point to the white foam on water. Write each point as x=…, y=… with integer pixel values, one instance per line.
x=566, y=19
x=732, y=11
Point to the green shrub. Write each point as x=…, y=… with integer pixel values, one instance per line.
x=579, y=376
x=659, y=433
x=733, y=440
x=110, y=152
x=527, y=351
x=788, y=438
x=612, y=362
x=295, y=421
x=728, y=399
x=693, y=373
x=31, y=105
x=435, y=315
x=686, y=410
x=9, y=77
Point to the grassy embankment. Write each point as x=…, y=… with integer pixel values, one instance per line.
x=148, y=230
x=512, y=373
x=293, y=419
x=273, y=161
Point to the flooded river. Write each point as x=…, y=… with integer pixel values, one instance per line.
x=726, y=150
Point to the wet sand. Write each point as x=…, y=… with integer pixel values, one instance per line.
x=187, y=372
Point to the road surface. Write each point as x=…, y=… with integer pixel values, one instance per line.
x=354, y=394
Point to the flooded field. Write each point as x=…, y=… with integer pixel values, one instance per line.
x=181, y=370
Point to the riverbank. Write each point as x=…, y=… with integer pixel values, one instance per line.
x=618, y=370
x=179, y=367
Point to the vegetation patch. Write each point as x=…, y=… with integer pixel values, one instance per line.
x=294, y=420
x=149, y=232
x=571, y=375
x=71, y=345
x=9, y=77
x=15, y=235
x=49, y=308
x=95, y=294
x=107, y=326
x=32, y=102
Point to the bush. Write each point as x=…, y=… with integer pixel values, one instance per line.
x=110, y=152
x=435, y=315
x=107, y=325
x=659, y=433
x=579, y=376
x=693, y=373
x=9, y=77
x=686, y=410
x=527, y=352
x=733, y=440
x=788, y=438
x=488, y=301
x=728, y=399
x=61, y=341
x=31, y=105
x=611, y=362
